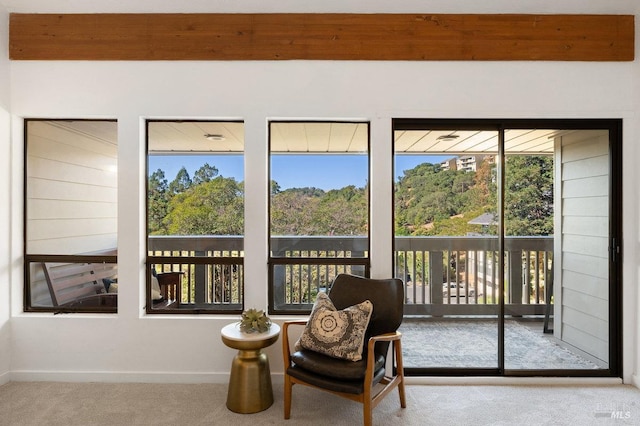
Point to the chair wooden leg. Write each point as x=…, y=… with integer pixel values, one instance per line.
x=367, y=412
x=400, y=369
x=287, y=396
x=403, y=401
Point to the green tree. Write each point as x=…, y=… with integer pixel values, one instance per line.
x=158, y=202
x=342, y=212
x=427, y=194
x=429, y=201
x=292, y=211
x=275, y=188
x=529, y=195
x=181, y=183
x=204, y=174
x=211, y=208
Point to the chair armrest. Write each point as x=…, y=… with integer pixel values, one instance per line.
x=286, y=349
x=395, y=339
x=388, y=337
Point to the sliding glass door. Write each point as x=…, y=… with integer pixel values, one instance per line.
x=506, y=237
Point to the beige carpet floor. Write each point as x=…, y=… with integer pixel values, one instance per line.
x=28, y=403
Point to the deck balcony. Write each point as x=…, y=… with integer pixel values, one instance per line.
x=453, y=287
x=449, y=282
x=442, y=275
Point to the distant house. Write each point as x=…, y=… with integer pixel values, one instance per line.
x=467, y=163
x=485, y=219
x=470, y=163
x=449, y=164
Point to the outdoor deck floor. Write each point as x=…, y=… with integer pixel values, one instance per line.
x=470, y=343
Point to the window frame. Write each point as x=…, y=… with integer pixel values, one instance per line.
x=32, y=259
x=195, y=265
x=340, y=264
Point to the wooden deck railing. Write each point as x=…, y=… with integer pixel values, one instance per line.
x=459, y=275
x=213, y=269
x=300, y=267
x=443, y=275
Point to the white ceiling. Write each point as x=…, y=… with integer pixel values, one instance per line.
x=318, y=137
x=337, y=6
x=318, y=6
x=473, y=141
x=189, y=136
x=297, y=137
x=203, y=6
x=326, y=137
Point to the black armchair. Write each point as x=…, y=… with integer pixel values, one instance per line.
x=370, y=379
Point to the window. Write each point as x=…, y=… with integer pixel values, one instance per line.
x=195, y=216
x=318, y=210
x=71, y=215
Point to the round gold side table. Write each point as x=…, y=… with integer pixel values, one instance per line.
x=250, y=388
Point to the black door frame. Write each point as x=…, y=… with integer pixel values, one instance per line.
x=614, y=127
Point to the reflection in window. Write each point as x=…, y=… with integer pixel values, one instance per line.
x=71, y=215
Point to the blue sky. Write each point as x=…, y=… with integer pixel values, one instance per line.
x=291, y=171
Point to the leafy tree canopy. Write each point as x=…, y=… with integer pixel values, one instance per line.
x=181, y=183
x=428, y=201
x=204, y=174
x=209, y=208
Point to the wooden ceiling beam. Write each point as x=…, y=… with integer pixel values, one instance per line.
x=310, y=36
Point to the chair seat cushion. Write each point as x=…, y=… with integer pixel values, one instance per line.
x=336, y=333
x=324, y=365
x=332, y=373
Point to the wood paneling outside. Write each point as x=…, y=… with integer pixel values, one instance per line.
x=310, y=36
x=71, y=190
x=585, y=234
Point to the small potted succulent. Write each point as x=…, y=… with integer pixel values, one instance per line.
x=254, y=321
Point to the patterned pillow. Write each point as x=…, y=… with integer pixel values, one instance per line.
x=338, y=334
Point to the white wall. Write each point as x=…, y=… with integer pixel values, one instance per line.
x=631, y=217
x=130, y=346
x=5, y=191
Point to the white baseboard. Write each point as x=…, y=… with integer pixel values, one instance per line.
x=277, y=379
x=118, y=377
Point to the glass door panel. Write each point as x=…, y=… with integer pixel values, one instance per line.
x=446, y=246
x=556, y=220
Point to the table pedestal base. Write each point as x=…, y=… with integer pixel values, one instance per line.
x=250, y=388
x=250, y=379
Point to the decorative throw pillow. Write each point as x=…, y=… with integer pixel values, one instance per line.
x=338, y=334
